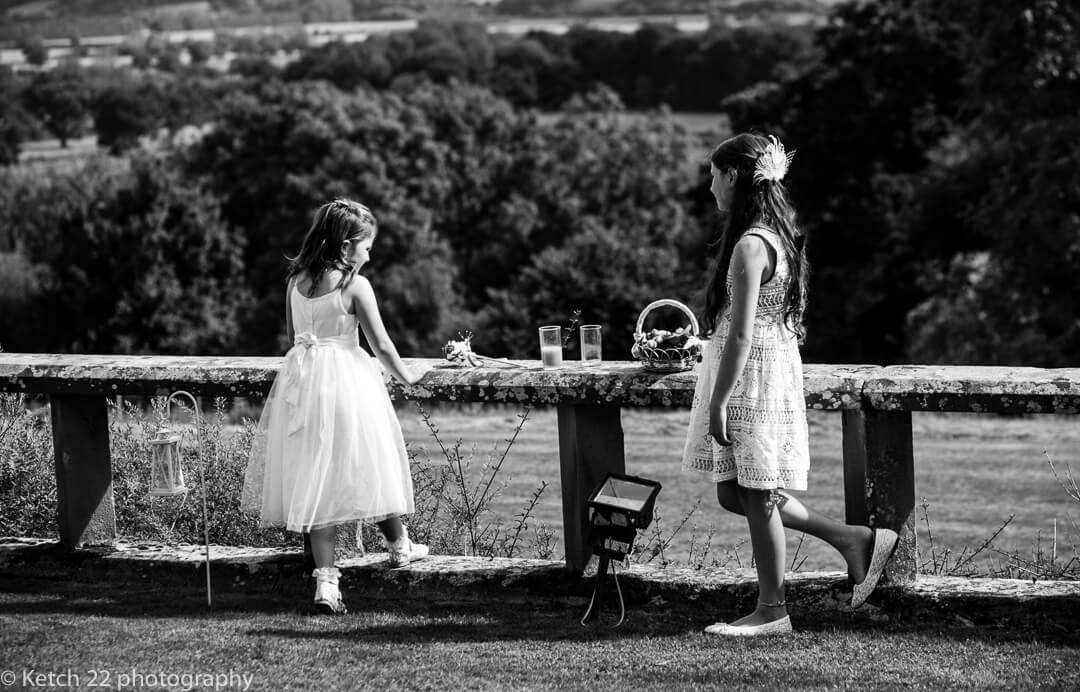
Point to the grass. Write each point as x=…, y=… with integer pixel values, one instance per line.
x=54, y=626
x=978, y=477
x=972, y=471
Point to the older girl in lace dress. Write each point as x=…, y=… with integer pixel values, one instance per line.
x=748, y=419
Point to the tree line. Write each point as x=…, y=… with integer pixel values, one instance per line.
x=653, y=66
x=935, y=161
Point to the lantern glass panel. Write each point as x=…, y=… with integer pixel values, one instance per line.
x=166, y=470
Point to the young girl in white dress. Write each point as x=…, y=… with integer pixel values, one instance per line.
x=328, y=449
x=748, y=429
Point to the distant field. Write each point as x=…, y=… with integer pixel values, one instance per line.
x=50, y=149
x=592, y=6
x=27, y=8
x=973, y=470
x=704, y=124
x=709, y=126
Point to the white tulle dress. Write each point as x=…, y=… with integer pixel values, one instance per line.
x=328, y=448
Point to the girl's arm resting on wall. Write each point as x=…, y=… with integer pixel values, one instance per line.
x=749, y=261
x=367, y=311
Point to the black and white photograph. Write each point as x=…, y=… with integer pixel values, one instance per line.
x=539, y=345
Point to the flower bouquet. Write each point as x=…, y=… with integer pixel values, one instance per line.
x=460, y=352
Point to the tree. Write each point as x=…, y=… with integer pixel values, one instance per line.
x=191, y=99
x=19, y=284
x=365, y=145
x=864, y=119
x=1013, y=166
x=136, y=260
x=609, y=273
x=468, y=193
x=257, y=67
x=124, y=111
x=33, y=48
x=518, y=66
x=594, y=218
x=199, y=51
x=345, y=65
x=16, y=124
x=450, y=50
x=59, y=98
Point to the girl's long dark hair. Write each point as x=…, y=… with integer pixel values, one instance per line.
x=763, y=203
x=335, y=223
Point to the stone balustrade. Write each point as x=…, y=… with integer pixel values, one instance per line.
x=875, y=402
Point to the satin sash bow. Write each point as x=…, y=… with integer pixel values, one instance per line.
x=298, y=368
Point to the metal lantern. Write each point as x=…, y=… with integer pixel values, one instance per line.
x=618, y=508
x=167, y=470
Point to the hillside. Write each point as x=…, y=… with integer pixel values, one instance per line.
x=36, y=10
x=31, y=20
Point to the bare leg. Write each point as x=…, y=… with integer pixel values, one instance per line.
x=770, y=553
x=391, y=528
x=854, y=543
x=322, y=546
x=321, y=541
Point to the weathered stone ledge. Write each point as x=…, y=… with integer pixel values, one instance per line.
x=459, y=579
x=978, y=389
x=619, y=383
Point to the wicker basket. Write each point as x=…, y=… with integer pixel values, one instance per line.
x=667, y=359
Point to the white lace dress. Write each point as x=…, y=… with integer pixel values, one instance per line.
x=328, y=448
x=767, y=409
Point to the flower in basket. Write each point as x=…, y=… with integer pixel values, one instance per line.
x=658, y=341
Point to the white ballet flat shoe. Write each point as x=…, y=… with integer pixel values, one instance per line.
x=885, y=541
x=723, y=629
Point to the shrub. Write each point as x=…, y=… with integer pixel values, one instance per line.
x=453, y=509
x=27, y=472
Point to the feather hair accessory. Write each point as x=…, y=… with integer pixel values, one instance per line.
x=773, y=163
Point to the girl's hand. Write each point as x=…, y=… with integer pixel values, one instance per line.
x=718, y=424
x=416, y=374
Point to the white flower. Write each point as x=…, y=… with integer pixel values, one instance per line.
x=773, y=163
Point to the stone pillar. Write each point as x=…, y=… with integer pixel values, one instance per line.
x=879, y=481
x=590, y=446
x=84, y=491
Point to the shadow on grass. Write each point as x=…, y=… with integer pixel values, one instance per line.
x=400, y=619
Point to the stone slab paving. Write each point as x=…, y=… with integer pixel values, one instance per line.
x=461, y=579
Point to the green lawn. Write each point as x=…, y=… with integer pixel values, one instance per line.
x=58, y=626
